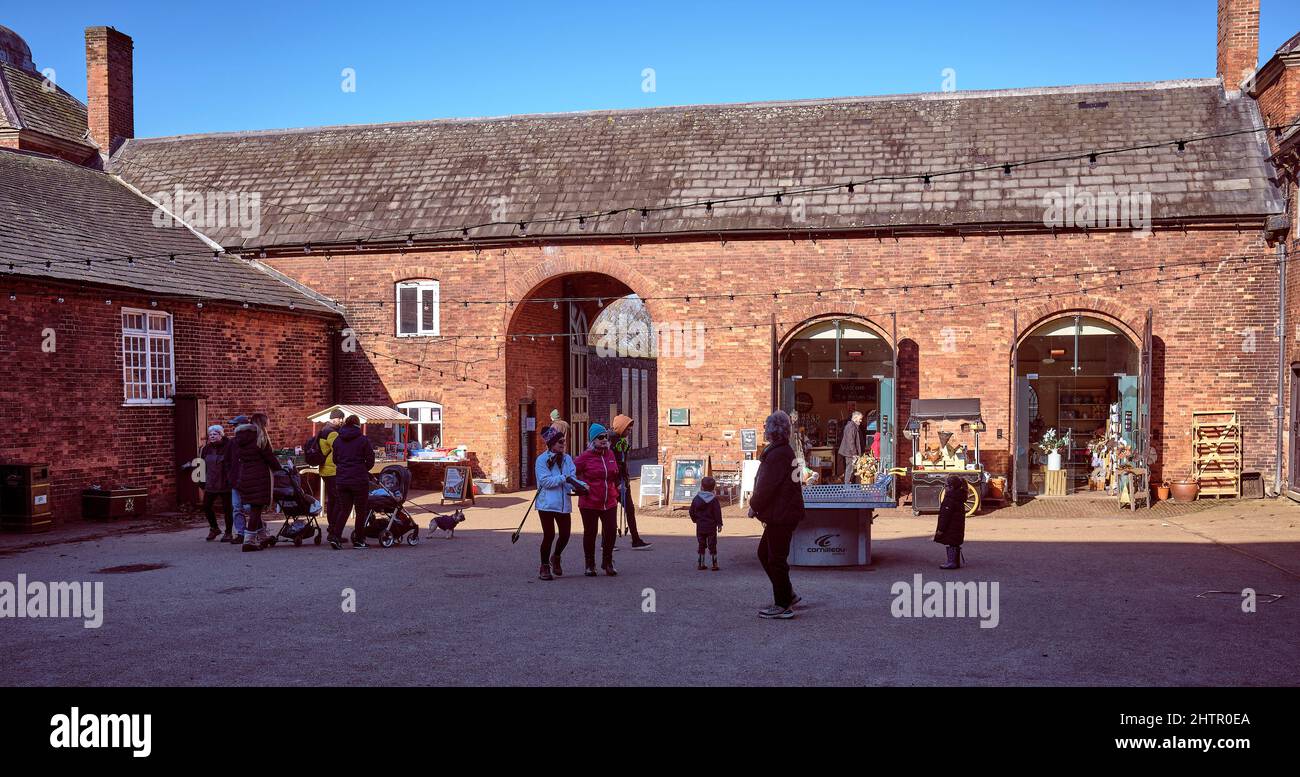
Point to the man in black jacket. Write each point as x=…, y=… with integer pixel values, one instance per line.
x=353, y=458
x=777, y=501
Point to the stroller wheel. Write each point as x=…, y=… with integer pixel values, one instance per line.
x=317, y=540
x=413, y=538
x=297, y=542
x=386, y=539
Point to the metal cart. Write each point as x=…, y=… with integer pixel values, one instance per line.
x=928, y=482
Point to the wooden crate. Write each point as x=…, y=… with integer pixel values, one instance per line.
x=1217, y=453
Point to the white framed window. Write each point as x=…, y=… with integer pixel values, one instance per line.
x=426, y=422
x=417, y=309
x=148, y=364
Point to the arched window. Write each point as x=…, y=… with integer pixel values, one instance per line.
x=417, y=313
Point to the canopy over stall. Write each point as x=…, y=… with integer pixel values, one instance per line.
x=369, y=414
x=946, y=410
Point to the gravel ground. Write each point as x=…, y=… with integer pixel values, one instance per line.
x=1096, y=599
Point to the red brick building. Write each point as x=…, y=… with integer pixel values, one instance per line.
x=110, y=316
x=1050, y=251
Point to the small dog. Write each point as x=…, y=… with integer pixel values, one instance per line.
x=447, y=523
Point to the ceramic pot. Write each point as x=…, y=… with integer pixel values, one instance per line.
x=1185, y=490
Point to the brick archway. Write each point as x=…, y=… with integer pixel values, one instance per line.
x=530, y=282
x=831, y=313
x=547, y=370
x=1125, y=318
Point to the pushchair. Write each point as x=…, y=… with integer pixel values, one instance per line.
x=386, y=517
x=299, y=507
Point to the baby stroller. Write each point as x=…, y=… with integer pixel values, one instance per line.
x=299, y=507
x=386, y=518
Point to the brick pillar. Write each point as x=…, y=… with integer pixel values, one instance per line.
x=1238, y=41
x=110, y=101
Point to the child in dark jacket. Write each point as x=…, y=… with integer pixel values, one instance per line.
x=706, y=512
x=951, y=529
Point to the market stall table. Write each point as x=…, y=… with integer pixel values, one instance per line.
x=836, y=529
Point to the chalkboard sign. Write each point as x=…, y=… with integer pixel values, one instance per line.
x=687, y=474
x=457, y=485
x=652, y=480
x=748, y=440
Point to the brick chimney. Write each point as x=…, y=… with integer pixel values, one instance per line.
x=1238, y=41
x=110, y=100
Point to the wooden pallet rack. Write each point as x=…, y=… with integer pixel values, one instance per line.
x=1216, y=453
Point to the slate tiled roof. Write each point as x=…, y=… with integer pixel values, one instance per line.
x=55, y=211
x=27, y=103
x=345, y=183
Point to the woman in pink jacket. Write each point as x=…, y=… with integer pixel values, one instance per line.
x=598, y=468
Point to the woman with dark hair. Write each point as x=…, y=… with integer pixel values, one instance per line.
x=777, y=501
x=951, y=530
x=254, y=461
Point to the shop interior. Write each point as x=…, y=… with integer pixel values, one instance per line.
x=1076, y=377
x=829, y=370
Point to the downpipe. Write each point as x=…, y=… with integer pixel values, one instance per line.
x=1281, y=365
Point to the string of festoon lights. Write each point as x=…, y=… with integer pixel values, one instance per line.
x=877, y=314
x=356, y=304
x=772, y=197
x=1121, y=277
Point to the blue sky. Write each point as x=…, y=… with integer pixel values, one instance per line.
x=202, y=67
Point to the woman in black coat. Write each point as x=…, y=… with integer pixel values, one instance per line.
x=250, y=475
x=354, y=456
x=777, y=501
x=216, y=485
x=951, y=530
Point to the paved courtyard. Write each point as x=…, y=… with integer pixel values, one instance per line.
x=1093, y=597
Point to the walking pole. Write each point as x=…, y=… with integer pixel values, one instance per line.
x=515, y=537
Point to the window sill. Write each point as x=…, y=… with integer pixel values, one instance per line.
x=155, y=403
x=419, y=334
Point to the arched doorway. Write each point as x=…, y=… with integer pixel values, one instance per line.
x=1083, y=379
x=829, y=368
x=556, y=361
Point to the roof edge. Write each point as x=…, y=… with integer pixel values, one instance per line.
x=1133, y=86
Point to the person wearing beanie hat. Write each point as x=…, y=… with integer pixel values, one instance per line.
x=558, y=423
x=599, y=506
x=556, y=477
x=621, y=426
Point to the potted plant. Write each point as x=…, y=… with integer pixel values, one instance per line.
x=1185, y=489
x=1052, y=444
x=1162, y=491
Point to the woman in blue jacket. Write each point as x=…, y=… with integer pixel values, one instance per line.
x=556, y=481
